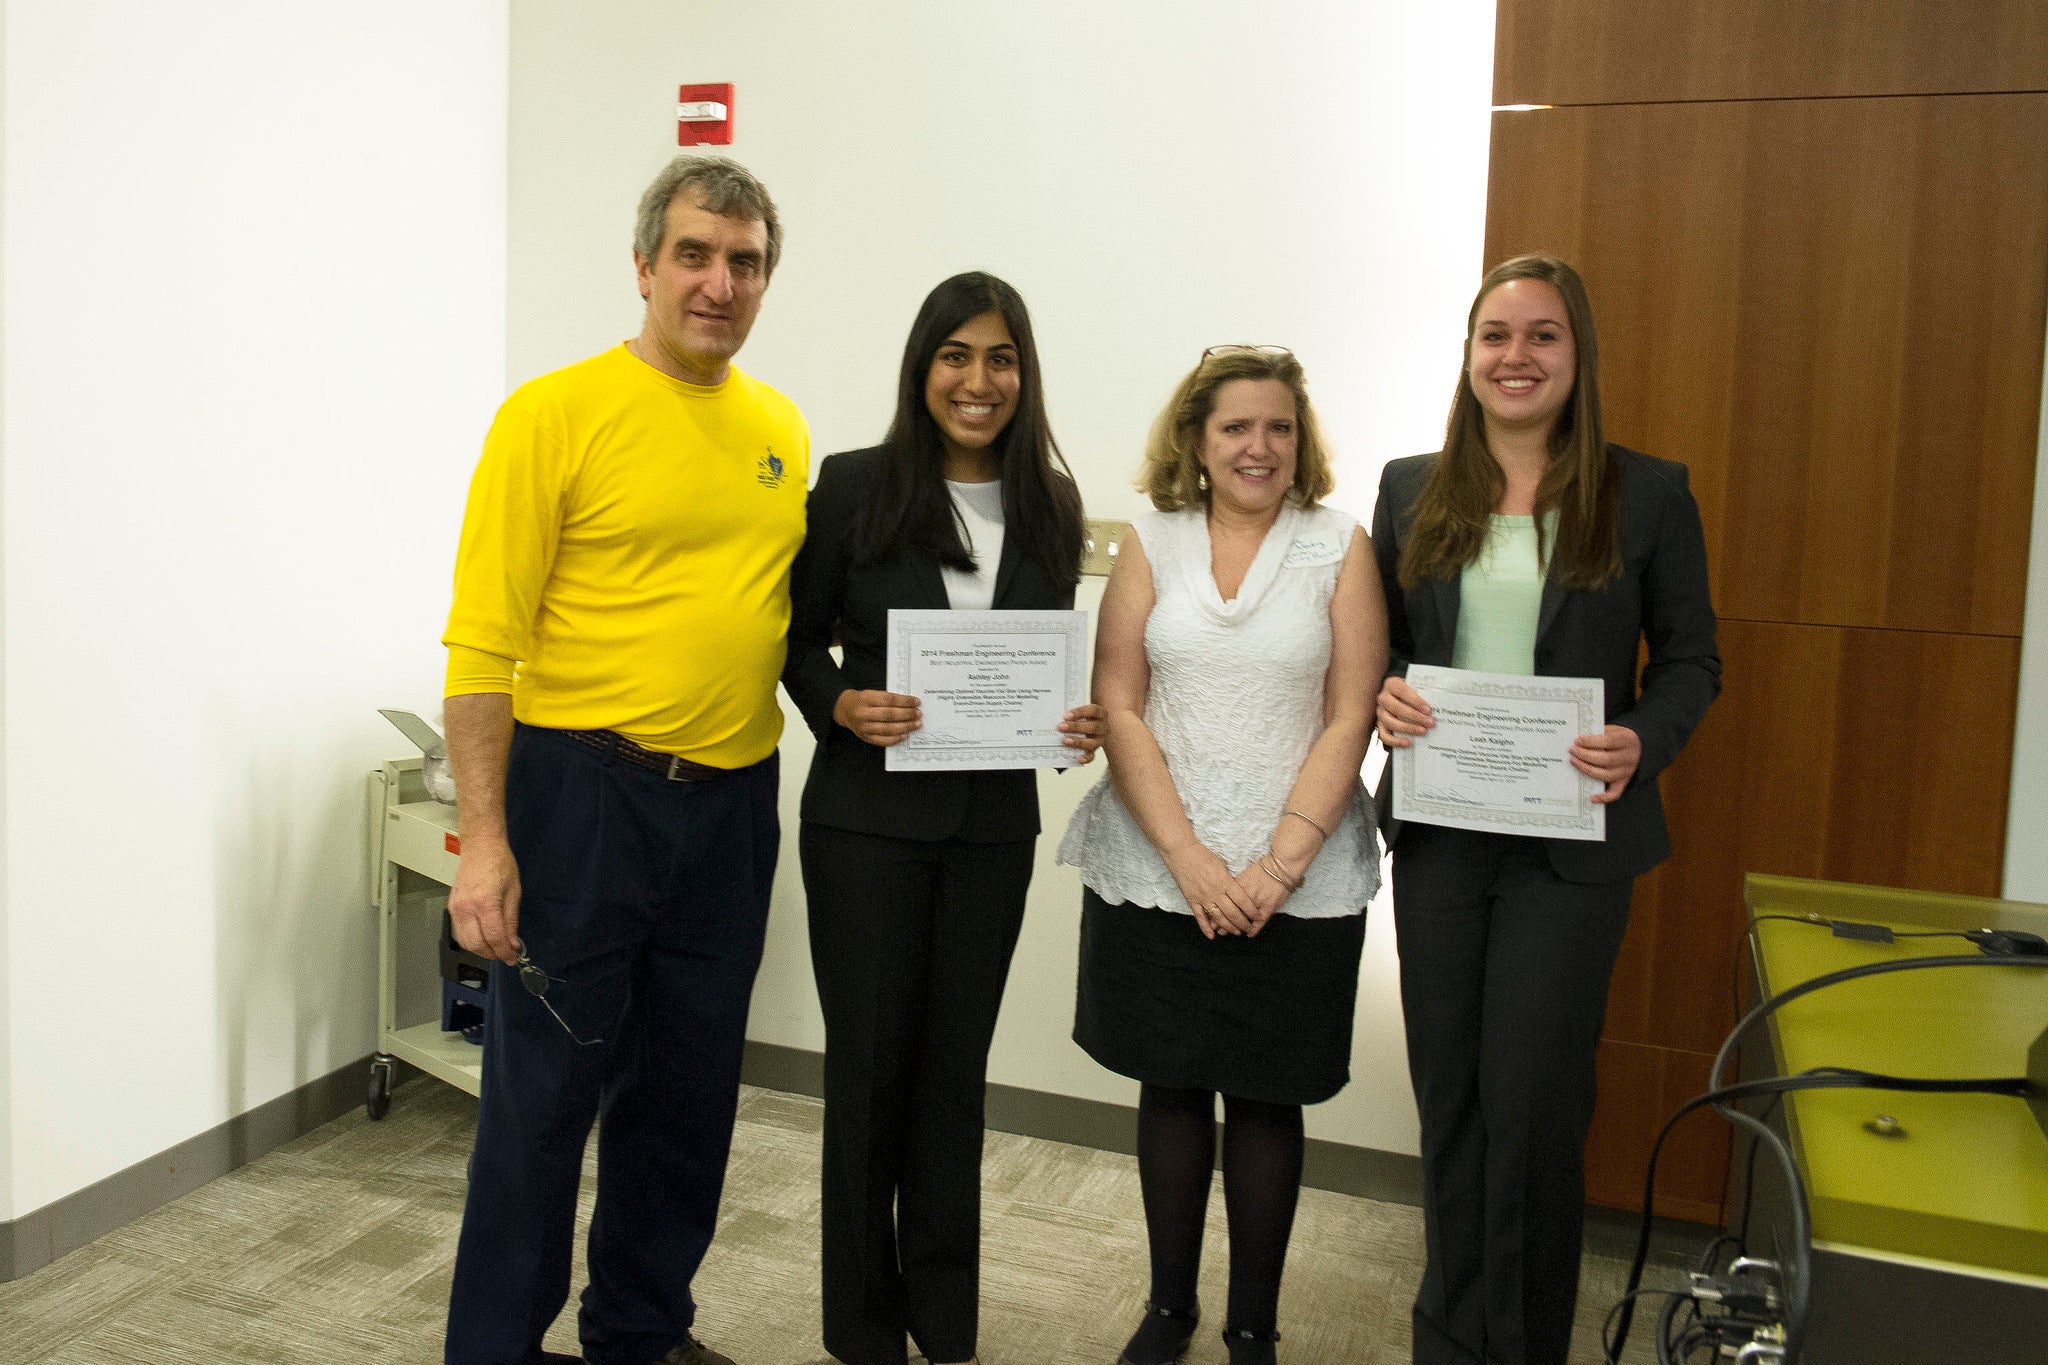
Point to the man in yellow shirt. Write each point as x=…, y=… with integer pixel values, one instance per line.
x=621, y=597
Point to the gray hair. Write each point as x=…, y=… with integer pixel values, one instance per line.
x=722, y=186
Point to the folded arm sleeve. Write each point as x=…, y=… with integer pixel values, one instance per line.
x=472, y=670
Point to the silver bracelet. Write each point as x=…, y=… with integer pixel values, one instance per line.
x=1290, y=881
x=1313, y=821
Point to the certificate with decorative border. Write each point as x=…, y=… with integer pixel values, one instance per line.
x=1496, y=759
x=991, y=686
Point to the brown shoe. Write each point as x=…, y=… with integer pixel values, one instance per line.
x=694, y=1352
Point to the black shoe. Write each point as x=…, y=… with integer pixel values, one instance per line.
x=1162, y=1338
x=1251, y=1348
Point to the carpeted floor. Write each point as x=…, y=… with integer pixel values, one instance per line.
x=338, y=1248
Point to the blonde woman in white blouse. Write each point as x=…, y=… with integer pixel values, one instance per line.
x=1228, y=860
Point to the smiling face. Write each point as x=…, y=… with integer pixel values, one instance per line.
x=1248, y=445
x=703, y=290
x=971, y=392
x=1521, y=358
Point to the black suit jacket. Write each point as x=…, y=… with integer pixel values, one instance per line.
x=1660, y=597
x=831, y=596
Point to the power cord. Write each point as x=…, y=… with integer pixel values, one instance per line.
x=1782, y=1338
x=1993, y=942
x=1856, y=973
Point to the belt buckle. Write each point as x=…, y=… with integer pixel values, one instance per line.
x=674, y=761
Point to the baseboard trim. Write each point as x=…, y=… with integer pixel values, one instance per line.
x=1340, y=1167
x=32, y=1241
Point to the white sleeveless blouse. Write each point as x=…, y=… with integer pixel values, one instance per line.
x=1236, y=702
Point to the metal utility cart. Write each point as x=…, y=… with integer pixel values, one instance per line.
x=413, y=854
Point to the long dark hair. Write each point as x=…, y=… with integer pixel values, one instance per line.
x=1582, y=485
x=1041, y=505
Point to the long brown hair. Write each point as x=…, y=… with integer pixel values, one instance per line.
x=1582, y=484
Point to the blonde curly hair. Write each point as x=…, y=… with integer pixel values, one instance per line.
x=1173, y=450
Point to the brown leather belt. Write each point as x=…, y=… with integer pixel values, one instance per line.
x=674, y=767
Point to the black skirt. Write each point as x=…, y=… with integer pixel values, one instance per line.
x=1263, y=1018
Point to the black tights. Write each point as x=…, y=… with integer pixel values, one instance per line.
x=1261, y=1183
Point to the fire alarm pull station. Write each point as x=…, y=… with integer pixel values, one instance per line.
x=704, y=116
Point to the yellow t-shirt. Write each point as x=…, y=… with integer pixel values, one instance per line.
x=625, y=557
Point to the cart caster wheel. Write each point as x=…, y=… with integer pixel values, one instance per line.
x=379, y=1102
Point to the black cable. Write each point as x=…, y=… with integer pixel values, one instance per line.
x=1713, y=1252
x=1795, y=1271
x=1813, y=985
x=1626, y=1307
x=1741, y=1238
x=1749, y=1175
x=1665, y=1330
x=1819, y=1078
x=1791, y=993
x=1607, y=1326
x=1721, y=1098
x=1800, y=1217
x=1993, y=942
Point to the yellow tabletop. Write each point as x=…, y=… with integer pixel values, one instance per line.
x=1967, y=1181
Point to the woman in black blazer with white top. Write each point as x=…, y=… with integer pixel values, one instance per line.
x=916, y=881
x=1530, y=545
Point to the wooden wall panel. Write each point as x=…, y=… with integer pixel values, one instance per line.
x=1636, y=51
x=1640, y=1089
x=1873, y=756
x=1832, y=312
x=1831, y=309
x=1878, y=756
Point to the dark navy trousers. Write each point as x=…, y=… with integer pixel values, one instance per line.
x=646, y=901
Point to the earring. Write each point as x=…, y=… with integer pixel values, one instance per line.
x=1202, y=480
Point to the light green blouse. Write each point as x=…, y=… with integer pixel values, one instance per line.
x=1499, y=597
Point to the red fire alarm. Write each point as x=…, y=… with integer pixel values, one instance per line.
x=704, y=116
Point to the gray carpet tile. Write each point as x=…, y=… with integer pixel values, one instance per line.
x=339, y=1246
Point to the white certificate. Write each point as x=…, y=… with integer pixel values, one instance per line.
x=1496, y=759
x=992, y=687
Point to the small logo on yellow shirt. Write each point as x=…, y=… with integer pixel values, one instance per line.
x=769, y=469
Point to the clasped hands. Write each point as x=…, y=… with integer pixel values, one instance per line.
x=1610, y=757
x=885, y=718
x=1226, y=904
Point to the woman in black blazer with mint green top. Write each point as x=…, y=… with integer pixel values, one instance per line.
x=916, y=881
x=1528, y=545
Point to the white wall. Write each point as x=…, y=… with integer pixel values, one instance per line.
x=2026, y=824
x=1155, y=177
x=254, y=262
x=6, y=1051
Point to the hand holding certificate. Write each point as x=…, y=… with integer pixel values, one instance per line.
x=993, y=687
x=1498, y=757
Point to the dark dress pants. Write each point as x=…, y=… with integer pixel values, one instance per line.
x=911, y=943
x=646, y=900
x=1504, y=972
